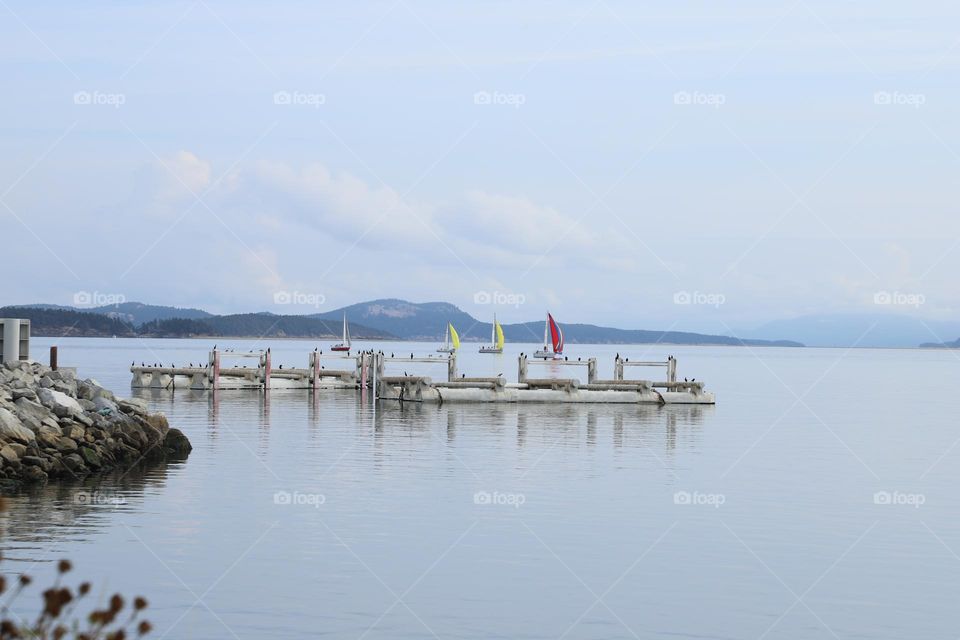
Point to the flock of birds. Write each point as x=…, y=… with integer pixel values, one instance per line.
x=370, y=352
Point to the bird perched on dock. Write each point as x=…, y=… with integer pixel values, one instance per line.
x=411, y=356
x=214, y=347
x=693, y=379
x=685, y=380
x=281, y=366
x=627, y=360
x=133, y=364
x=391, y=354
x=499, y=375
x=142, y=365
x=463, y=375
x=578, y=359
x=565, y=358
x=617, y=357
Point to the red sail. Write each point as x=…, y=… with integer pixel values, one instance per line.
x=556, y=335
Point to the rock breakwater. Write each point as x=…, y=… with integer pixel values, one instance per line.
x=54, y=425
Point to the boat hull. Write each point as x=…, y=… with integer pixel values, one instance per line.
x=339, y=348
x=490, y=350
x=547, y=355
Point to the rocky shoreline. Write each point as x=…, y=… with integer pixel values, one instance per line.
x=55, y=426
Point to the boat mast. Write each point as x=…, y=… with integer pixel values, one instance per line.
x=493, y=331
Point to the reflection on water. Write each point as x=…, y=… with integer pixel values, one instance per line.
x=569, y=424
x=74, y=509
x=394, y=540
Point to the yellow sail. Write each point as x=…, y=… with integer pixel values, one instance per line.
x=499, y=334
x=454, y=338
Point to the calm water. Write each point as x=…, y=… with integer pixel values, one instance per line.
x=756, y=518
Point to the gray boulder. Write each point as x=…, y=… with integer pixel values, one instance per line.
x=12, y=429
x=60, y=403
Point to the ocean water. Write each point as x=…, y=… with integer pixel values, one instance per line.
x=817, y=499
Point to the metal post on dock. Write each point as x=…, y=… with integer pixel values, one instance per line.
x=592, y=370
x=618, y=368
x=671, y=369
x=522, y=369
x=53, y=357
x=266, y=370
x=452, y=367
x=215, y=365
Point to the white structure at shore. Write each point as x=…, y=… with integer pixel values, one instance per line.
x=14, y=340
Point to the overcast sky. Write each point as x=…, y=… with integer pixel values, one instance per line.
x=600, y=159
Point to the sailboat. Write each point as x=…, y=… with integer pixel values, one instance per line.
x=496, y=338
x=345, y=344
x=451, y=341
x=552, y=329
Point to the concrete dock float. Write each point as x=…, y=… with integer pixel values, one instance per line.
x=412, y=388
x=369, y=369
x=354, y=374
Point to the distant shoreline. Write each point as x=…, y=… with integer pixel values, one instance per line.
x=385, y=320
x=430, y=340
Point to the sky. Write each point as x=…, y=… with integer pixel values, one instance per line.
x=690, y=165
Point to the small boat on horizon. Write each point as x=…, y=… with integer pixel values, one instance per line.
x=496, y=338
x=451, y=341
x=344, y=345
x=551, y=329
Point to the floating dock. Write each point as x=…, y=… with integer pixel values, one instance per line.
x=369, y=369
x=619, y=390
x=353, y=374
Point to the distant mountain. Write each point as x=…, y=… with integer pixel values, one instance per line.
x=138, y=313
x=592, y=334
x=865, y=330
x=388, y=319
x=46, y=321
x=955, y=344
x=408, y=320
x=428, y=321
x=135, y=313
x=276, y=326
